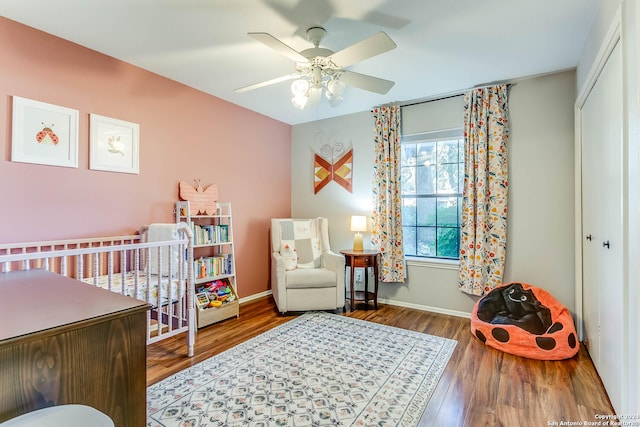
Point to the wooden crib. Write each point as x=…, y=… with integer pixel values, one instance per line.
x=153, y=271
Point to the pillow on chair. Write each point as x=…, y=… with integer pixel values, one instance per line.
x=290, y=257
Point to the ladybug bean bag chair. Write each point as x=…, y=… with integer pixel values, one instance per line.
x=521, y=319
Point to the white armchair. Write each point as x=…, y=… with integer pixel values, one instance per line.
x=305, y=273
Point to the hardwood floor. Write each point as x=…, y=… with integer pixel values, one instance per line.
x=480, y=386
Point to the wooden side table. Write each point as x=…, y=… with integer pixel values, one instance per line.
x=362, y=259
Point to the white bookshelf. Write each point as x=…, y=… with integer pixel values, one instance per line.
x=213, y=257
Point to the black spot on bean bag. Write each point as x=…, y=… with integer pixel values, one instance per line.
x=500, y=334
x=572, y=341
x=546, y=343
x=555, y=328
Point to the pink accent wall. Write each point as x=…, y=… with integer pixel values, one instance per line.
x=184, y=134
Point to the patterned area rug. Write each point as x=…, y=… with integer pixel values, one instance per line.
x=318, y=369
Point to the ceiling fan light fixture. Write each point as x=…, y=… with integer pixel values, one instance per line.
x=334, y=100
x=299, y=101
x=300, y=87
x=320, y=69
x=335, y=87
x=300, y=91
x=333, y=91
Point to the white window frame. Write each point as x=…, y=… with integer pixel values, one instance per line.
x=440, y=135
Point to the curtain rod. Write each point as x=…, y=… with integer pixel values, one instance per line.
x=448, y=95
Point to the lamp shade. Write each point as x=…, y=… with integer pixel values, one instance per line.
x=358, y=223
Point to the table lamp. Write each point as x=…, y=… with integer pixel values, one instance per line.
x=358, y=224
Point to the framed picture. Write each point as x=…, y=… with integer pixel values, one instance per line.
x=44, y=133
x=114, y=145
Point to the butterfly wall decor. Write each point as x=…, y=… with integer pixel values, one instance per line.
x=201, y=201
x=333, y=164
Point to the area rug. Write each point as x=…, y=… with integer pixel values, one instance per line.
x=315, y=370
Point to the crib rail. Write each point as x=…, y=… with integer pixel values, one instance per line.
x=24, y=252
x=123, y=264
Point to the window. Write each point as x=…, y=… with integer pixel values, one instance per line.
x=432, y=179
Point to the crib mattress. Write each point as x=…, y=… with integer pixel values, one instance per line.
x=146, y=289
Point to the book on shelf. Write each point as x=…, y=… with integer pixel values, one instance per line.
x=224, y=232
x=217, y=265
x=209, y=234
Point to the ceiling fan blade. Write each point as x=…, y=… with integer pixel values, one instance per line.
x=363, y=81
x=278, y=46
x=268, y=82
x=371, y=46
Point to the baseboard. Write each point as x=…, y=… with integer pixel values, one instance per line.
x=255, y=296
x=425, y=308
x=383, y=301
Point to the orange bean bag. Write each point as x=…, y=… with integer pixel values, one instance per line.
x=521, y=319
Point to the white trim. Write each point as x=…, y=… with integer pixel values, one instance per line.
x=255, y=296
x=442, y=264
x=577, y=263
x=383, y=301
x=634, y=106
x=425, y=308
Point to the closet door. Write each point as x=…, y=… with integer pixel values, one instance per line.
x=592, y=137
x=602, y=174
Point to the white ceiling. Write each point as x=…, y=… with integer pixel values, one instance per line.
x=443, y=46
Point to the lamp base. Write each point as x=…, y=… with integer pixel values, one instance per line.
x=357, y=242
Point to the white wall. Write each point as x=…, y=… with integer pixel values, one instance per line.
x=443, y=114
x=540, y=233
x=333, y=201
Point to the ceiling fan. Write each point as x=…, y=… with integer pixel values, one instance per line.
x=318, y=67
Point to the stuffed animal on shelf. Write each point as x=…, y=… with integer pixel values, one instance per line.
x=290, y=257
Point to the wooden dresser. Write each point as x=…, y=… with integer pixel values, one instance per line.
x=63, y=341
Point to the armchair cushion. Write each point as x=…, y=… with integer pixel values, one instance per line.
x=310, y=278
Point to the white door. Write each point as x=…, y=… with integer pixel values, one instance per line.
x=601, y=130
x=591, y=199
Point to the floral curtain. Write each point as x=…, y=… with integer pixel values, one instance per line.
x=386, y=218
x=484, y=199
